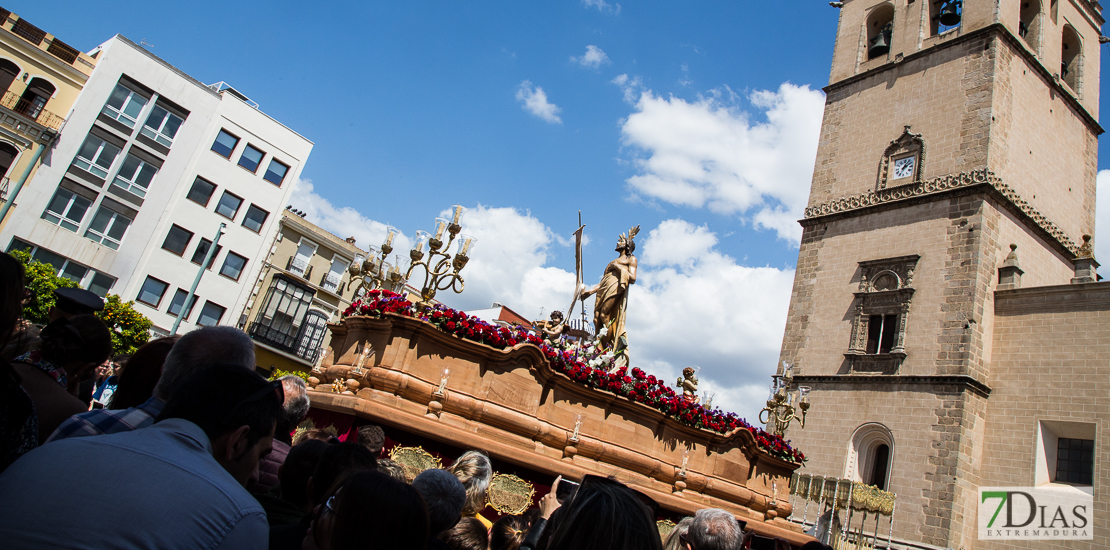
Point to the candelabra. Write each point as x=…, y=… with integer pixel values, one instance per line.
x=375, y=272
x=785, y=403
x=441, y=271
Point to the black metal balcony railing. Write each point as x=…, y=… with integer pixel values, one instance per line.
x=63, y=51
x=31, y=109
x=282, y=340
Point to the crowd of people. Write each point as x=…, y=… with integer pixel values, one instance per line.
x=193, y=449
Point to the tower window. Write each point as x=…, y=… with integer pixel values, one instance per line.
x=1029, y=23
x=1075, y=461
x=881, y=330
x=879, y=469
x=880, y=26
x=945, y=15
x=1071, y=57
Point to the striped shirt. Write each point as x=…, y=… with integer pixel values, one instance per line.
x=104, y=421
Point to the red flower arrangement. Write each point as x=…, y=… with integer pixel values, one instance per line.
x=636, y=385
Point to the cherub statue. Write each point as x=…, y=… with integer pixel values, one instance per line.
x=689, y=385
x=552, y=329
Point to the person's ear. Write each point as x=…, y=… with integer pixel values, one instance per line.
x=236, y=443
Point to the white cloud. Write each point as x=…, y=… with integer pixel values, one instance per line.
x=603, y=6
x=630, y=87
x=1102, y=220
x=710, y=153
x=344, y=222
x=534, y=100
x=593, y=58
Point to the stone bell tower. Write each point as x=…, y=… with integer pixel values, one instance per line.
x=951, y=131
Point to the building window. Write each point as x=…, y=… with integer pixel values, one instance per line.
x=334, y=275
x=233, y=266
x=135, y=176
x=225, y=143
x=228, y=205
x=251, y=158
x=210, y=314
x=1065, y=453
x=96, y=156
x=178, y=300
x=66, y=209
x=298, y=264
x=254, y=218
x=283, y=313
x=161, y=126
x=871, y=454
x=152, y=291
x=124, y=105
x=202, y=251
x=8, y=72
x=201, y=191
x=34, y=98
x=877, y=342
x=108, y=227
x=313, y=329
x=1071, y=56
x=177, y=240
x=880, y=27
x=95, y=281
x=275, y=174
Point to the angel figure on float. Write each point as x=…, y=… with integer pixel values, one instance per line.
x=689, y=384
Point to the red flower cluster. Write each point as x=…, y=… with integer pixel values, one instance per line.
x=637, y=386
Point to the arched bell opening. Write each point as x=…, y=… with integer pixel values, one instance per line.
x=945, y=15
x=880, y=27
x=1071, y=57
x=1029, y=23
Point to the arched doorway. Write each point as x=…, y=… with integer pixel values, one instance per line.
x=8, y=154
x=34, y=98
x=871, y=455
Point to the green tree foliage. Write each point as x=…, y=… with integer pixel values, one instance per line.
x=41, y=279
x=130, y=329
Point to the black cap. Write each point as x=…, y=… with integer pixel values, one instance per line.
x=77, y=301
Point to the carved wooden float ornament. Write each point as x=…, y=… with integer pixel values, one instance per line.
x=513, y=405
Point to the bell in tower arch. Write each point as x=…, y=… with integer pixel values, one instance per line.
x=950, y=13
x=880, y=45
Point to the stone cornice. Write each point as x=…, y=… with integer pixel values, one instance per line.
x=963, y=381
x=982, y=177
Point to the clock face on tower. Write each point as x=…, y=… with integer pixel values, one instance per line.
x=903, y=167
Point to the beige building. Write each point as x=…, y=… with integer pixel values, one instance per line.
x=945, y=310
x=40, y=77
x=304, y=285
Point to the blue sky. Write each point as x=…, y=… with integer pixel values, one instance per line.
x=696, y=120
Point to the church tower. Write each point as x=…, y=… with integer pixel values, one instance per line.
x=951, y=131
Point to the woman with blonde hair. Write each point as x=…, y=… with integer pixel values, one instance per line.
x=474, y=471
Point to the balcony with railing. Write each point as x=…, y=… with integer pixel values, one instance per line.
x=30, y=109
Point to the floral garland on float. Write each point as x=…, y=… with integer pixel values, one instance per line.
x=579, y=363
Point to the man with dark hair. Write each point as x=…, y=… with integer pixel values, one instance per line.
x=372, y=437
x=445, y=496
x=194, y=351
x=177, y=484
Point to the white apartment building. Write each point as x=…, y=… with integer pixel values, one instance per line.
x=147, y=166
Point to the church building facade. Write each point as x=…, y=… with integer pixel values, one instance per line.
x=945, y=310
